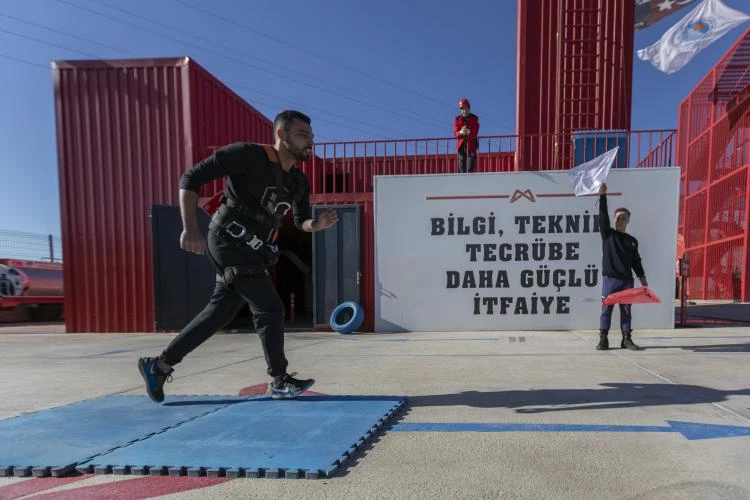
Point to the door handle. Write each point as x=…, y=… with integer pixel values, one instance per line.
x=359, y=277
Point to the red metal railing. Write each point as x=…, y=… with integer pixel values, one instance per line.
x=714, y=148
x=349, y=167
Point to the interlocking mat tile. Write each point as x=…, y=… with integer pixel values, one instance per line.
x=56, y=440
x=195, y=435
x=306, y=437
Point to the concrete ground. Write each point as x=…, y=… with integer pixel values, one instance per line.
x=622, y=401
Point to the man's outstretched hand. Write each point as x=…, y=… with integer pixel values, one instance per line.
x=326, y=219
x=603, y=189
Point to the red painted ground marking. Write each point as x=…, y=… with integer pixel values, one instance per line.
x=255, y=390
x=262, y=390
x=139, y=487
x=29, y=486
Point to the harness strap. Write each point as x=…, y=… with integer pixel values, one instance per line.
x=244, y=211
x=235, y=233
x=271, y=153
x=231, y=273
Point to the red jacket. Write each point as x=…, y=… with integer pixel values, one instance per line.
x=471, y=121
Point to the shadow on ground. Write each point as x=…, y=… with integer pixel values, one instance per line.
x=612, y=395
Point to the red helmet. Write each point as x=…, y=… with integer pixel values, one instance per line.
x=464, y=103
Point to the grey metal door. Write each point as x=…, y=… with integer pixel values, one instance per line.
x=336, y=262
x=183, y=281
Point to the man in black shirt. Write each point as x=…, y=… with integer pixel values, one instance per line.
x=620, y=258
x=263, y=184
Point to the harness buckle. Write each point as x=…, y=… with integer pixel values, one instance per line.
x=235, y=230
x=255, y=242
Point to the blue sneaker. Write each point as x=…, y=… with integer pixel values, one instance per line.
x=288, y=386
x=154, y=378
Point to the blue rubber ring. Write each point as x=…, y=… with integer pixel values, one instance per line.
x=357, y=316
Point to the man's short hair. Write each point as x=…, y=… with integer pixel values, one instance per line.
x=284, y=120
x=623, y=209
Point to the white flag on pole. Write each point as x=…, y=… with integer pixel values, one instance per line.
x=587, y=177
x=706, y=23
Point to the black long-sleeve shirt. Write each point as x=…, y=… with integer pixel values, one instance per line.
x=620, y=255
x=253, y=180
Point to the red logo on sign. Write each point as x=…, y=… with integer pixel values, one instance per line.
x=522, y=194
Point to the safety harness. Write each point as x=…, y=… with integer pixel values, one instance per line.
x=234, y=223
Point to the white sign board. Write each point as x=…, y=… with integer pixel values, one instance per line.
x=514, y=251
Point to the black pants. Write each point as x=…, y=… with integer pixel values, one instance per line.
x=612, y=285
x=463, y=157
x=254, y=289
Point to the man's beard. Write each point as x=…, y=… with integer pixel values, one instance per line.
x=299, y=154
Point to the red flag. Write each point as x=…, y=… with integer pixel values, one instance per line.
x=632, y=296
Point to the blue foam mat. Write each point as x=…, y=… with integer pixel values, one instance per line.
x=55, y=440
x=305, y=437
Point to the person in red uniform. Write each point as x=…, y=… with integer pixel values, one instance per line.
x=466, y=130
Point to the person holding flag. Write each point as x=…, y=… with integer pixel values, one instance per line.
x=620, y=258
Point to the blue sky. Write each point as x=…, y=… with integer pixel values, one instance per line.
x=379, y=61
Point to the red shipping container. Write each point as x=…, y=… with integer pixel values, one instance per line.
x=126, y=131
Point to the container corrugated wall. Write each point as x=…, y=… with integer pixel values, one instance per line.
x=219, y=117
x=126, y=131
x=583, y=52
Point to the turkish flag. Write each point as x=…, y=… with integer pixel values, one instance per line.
x=647, y=12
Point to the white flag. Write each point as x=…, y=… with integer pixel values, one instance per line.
x=587, y=177
x=705, y=24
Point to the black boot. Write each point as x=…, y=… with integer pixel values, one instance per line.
x=603, y=344
x=627, y=341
